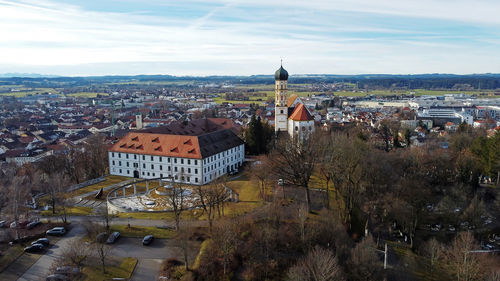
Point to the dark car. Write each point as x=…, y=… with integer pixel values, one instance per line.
x=56, y=231
x=34, y=248
x=113, y=237
x=3, y=223
x=43, y=241
x=147, y=239
x=57, y=277
x=32, y=224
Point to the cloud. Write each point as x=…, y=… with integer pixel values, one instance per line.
x=248, y=37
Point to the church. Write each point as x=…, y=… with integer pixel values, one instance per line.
x=290, y=113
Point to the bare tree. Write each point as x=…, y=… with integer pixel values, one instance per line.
x=364, y=264
x=176, y=198
x=76, y=253
x=319, y=265
x=212, y=198
x=225, y=239
x=294, y=162
x=433, y=251
x=101, y=251
x=302, y=218
x=260, y=173
x=466, y=264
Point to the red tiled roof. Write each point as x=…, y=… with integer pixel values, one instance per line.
x=291, y=99
x=159, y=144
x=301, y=114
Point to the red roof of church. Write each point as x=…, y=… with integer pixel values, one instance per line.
x=301, y=113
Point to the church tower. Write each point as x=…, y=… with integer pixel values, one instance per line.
x=281, y=101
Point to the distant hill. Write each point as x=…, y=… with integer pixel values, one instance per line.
x=26, y=75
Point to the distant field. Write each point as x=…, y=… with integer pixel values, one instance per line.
x=178, y=83
x=418, y=92
x=86, y=95
x=254, y=99
x=22, y=91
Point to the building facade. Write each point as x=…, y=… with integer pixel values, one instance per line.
x=191, y=159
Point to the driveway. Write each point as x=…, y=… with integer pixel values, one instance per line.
x=40, y=269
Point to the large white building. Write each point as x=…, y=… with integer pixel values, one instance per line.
x=194, y=153
x=290, y=114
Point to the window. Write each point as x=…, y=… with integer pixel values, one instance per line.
x=196, y=171
x=152, y=159
x=175, y=160
x=113, y=154
x=296, y=128
x=135, y=156
x=152, y=166
x=281, y=111
x=126, y=156
x=127, y=164
x=159, y=157
x=143, y=157
x=189, y=170
x=119, y=155
x=168, y=160
x=128, y=172
x=144, y=166
x=113, y=162
x=175, y=169
x=196, y=162
x=182, y=161
x=148, y=174
x=189, y=162
x=120, y=171
x=119, y=163
x=195, y=179
x=169, y=168
x=161, y=175
x=161, y=168
x=153, y=174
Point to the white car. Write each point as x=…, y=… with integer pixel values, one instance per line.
x=280, y=182
x=56, y=231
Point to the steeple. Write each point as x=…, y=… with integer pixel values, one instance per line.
x=281, y=107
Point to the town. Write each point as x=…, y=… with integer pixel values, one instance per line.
x=379, y=183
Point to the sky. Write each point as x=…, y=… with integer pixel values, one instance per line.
x=249, y=37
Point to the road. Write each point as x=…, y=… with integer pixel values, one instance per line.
x=40, y=269
x=136, y=222
x=149, y=257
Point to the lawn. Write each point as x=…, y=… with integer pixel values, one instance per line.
x=10, y=255
x=135, y=231
x=70, y=211
x=110, y=180
x=124, y=270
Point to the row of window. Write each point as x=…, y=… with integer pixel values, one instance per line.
x=136, y=165
x=160, y=158
x=176, y=177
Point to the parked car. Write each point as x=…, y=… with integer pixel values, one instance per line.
x=34, y=248
x=451, y=228
x=57, y=277
x=32, y=224
x=67, y=270
x=56, y=231
x=147, y=239
x=14, y=224
x=3, y=223
x=43, y=241
x=113, y=237
x=280, y=182
x=436, y=227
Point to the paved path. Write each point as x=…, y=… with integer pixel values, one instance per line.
x=40, y=269
x=146, y=269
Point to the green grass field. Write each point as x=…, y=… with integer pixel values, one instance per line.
x=85, y=95
x=124, y=270
x=136, y=231
x=22, y=92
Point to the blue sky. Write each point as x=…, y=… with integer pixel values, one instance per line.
x=223, y=37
